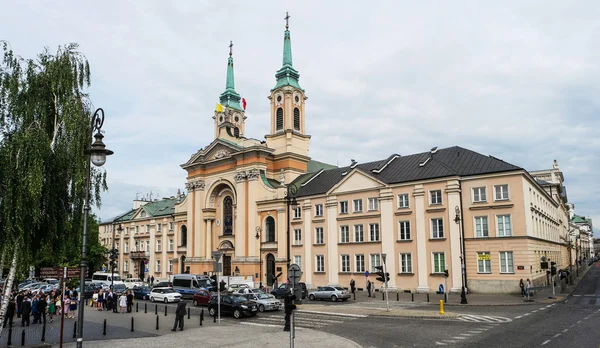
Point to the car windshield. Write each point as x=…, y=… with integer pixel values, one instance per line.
x=238, y=298
x=144, y=288
x=116, y=278
x=263, y=296
x=169, y=291
x=339, y=289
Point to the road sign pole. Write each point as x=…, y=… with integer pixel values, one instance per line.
x=387, y=300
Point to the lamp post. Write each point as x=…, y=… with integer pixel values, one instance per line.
x=113, y=256
x=290, y=198
x=97, y=152
x=463, y=294
x=260, y=254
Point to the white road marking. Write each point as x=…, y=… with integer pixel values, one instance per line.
x=545, y=342
x=576, y=295
x=465, y=334
x=526, y=314
x=558, y=334
x=534, y=311
x=335, y=314
x=459, y=338
x=476, y=332
x=450, y=341
x=543, y=308
x=519, y=317
x=258, y=324
x=579, y=322
x=565, y=330
x=440, y=343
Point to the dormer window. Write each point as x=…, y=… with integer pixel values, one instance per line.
x=279, y=118
x=143, y=214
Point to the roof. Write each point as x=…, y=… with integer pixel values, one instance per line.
x=577, y=219
x=314, y=166
x=433, y=164
x=165, y=206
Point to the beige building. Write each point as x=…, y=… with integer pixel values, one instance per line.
x=425, y=211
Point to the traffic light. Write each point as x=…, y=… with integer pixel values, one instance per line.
x=380, y=274
x=446, y=273
x=553, y=268
x=289, y=306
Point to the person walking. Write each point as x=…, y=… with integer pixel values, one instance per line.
x=522, y=286
x=20, y=297
x=51, y=308
x=34, y=309
x=67, y=306
x=73, y=306
x=528, y=288
x=368, y=288
x=352, y=285
x=123, y=302
x=10, y=313
x=179, y=314
x=25, y=311
x=42, y=307
x=129, y=301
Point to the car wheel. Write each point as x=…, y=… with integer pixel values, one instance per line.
x=261, y=308
x=151, y=299
x=311, y=297
x=145, y=297
x=333, y=298
x=195, y=303
x=237, y=314
x=212, y=311
x=166, y=300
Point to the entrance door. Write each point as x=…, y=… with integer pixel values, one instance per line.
x=182, y=264
x=227, y=265
x=142, y=269
x=270, y=269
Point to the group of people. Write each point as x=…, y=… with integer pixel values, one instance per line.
x=26, y=304
x=109, y=300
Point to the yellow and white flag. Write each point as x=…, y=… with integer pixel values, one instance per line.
x=219, y=108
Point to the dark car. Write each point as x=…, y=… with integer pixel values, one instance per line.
x=282, y=289
x=163, y=285
x=142, y=292
x=236, y=305
x=119, y=288
x=202, y=297
x=88, y=292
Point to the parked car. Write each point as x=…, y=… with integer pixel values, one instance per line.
x=164, y=294
x=119, y=288
x=131, y=283
x=163, y=285
x=236, y=287
x=88, y=292
x=202, y=297
x=142, y=292
x=282, y=289
x=236, y=305
x=330, y=292
x=249, y=291
x=265, y=302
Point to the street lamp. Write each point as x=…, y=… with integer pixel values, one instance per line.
x=290, y=198
x=260, y=252
x=97, y=152
x=463, y=294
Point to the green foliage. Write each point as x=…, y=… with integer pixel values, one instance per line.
x=45, y=126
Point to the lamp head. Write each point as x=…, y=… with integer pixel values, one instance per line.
x=98, y=151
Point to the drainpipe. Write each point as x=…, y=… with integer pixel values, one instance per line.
x=462, y=233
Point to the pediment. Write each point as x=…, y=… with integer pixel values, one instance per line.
x=356, y=180
x=218, y=149
x=140, y=213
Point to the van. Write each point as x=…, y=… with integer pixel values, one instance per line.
x=188, y=284
x=106, y=278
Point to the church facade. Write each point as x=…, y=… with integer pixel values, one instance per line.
x=484, y=220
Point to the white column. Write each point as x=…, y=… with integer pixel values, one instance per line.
x=281, y=236
x=209, y=248
x=421, y=237
x=240, y=221
x=307, y=241
x=332, y=241
x=454, y=267
x=386, y=231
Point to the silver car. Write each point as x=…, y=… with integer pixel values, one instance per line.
x=329, y=292
x=265, y=302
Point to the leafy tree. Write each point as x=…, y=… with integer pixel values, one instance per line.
x=45, y=126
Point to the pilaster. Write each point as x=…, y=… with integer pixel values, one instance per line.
x=421, y=237
x=386, y=230
x=332, y=245
x=453, y=192
x=240, y=230
x=307, y=241
x=281, y=225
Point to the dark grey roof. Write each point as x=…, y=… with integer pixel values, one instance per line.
x=443, y=163
x=542, y=182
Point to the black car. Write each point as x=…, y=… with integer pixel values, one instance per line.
x=236, y=305
x=142, y=292
x=282, y=289
x=88, y=292
x=119, y=288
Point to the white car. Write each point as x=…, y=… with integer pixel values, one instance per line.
x=237, y=287
x=165, y=295
x=131, y=283
x=265, y=302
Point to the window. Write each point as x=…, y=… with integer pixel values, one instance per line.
x=481, y=227
x=436, y=197
x=484, y=263
x=504, y=228
x=403, y=201
x=319, y=235
x=374, y=232
x=296, y=119
x=501, y=192
x=318, y=209
x=147, y=247
x=170, y=244
x=439, y=262
x=344, y=234
x=143, y=214
x=170, y=226
x=404, y=228
x=126, y=266
x=298, y=260
x=137, y=229
x=170, y=270
x=228, y=216
x=359, y=235
x=126, y=229
x=506, y=262
x=270, y=227
x=406, y=263
x=158, y=246
x=437, y=228
x=279, y=119
x=375, y=261
x=297, y=213
x=320, y=263
x=158, y=227
x=479, y=194
x=345, y=263
x=147, y=228
x=359, y=262
x=298, y=236
x=141, y=246
x=126, y=247
x=357, y=205
x=183, y=235
x=344, y=207
x=373, y=204
x=157, y=265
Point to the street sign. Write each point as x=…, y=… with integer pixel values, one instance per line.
x=383, y=257
x=217, y=255
x=366, y=273
x=294, y=273
x=58, y=272
x=217, y=267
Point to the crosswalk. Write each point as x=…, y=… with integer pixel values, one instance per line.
x=302, y=318
x=591, y=300
x=483, y=319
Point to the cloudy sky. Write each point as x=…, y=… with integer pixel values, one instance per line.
x=515, y=79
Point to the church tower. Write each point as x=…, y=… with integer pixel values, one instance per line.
x=288, y=129
x=229, y=122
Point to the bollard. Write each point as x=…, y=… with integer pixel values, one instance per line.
x=188, y=312
x=383, y=296
x=104, y=329
x=43, y=333
x=157, y=322
x=136, y=307
x=75, y=330
x=156, y=309
x=131, y=324
x=10, y=334
x=354, y=296
x=165, y=310
x=201, y=316
x=412, y=297
x=427, y=297
x=23, y=338
x=441, y=306
x=397, y=296
x=145, y=308
x=215, y=318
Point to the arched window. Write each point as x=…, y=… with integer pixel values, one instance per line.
x=227, y=216
x=279, y=119
x=236, y=132
x=296, y=119
x=270, y=227
x=183, y=235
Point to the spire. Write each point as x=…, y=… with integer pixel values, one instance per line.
x=230, y=97
x=287, y=75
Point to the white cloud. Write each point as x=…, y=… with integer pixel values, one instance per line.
x=518, y=80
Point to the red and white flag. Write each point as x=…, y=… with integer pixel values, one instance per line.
x=244, y=103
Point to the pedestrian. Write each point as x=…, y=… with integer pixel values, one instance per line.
x=129, y=301
x=123, y=302
x=20, y=297
x=10, y=313
x=34, y=309
x=42, y=308
x=59, y=305
x=179, y=314
x=73, y=306
x=352, y=285
x=100, y=302
x=522, y=286
x=373, y=288
x=51, y=308
x=152, y=280
x=528, y=288
x=25, y=311
x=368, y=288
x=67, y=306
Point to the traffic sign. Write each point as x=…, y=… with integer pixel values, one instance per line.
x=294, y=272
x=217, y=267
x=366, y=273
x=217, y=255
x=58, y=272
